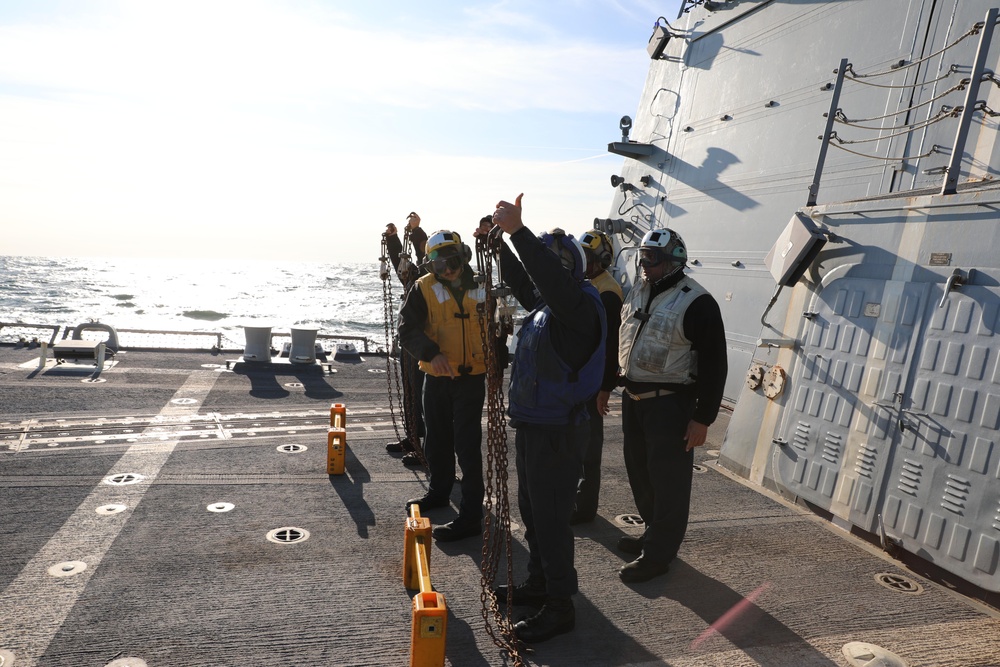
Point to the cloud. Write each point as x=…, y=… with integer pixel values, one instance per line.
x=232, y=128
x=260, y=52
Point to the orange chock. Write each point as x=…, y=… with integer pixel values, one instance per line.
x=430, y=612
x=430, y=625
x=338, y=415
x=336, y=449
x=417, y=534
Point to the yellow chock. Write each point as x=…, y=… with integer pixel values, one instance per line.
x=417, y=528
x=430, y=625
x=336, y=448
x=430, y=613
x=338, y=415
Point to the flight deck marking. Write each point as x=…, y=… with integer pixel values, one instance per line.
x=33, y=607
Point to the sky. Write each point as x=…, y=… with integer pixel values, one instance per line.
x=298, y=129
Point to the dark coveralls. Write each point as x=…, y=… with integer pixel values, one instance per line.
x=588, y=493
x=659, y=469
x=550, y=458
x=453, y=409
x=413, y=377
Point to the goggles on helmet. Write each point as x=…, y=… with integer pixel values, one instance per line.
x=449, y=263
x=650, y=258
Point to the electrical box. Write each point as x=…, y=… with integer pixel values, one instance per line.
x=657, y=42
x=795, y=249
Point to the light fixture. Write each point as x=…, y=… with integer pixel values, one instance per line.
x=618, y=181
x=625, y=125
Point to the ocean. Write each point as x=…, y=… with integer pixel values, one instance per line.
x=195, y=295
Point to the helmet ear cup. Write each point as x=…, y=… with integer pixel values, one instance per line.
x=604, y=255
x=466, y=253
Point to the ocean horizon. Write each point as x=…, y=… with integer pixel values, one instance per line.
x=200, y=295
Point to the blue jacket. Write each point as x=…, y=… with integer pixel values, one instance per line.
x=543, y=387
x=565, y=332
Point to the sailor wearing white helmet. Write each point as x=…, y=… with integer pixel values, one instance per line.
x=672, y=354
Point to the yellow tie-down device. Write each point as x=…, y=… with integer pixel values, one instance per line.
x=336, y=440
x=430, y=613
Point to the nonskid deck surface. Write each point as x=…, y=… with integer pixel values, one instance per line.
x=185, y=573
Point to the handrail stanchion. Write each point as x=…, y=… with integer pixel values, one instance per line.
x=430, y=613
x=43, y=355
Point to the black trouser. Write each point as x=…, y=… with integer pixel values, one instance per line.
x=413, y=385
x=549, y=461
x=659, y=469
x=589, y=491
x=453, y=414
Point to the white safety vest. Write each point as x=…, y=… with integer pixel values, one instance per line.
x=658, y=351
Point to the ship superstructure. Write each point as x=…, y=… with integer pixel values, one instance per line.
x=831, y=168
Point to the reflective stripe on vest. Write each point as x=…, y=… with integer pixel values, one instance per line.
x=456, y=330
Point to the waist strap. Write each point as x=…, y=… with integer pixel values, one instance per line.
x=649, y=394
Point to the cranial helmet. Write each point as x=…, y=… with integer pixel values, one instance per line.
x=567, y=249
x=667, y=245
x=598, y=246
x=445, y=243
x=445, y=250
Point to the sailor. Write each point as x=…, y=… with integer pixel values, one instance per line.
x=557, y=368
x=413, y=378
x=600, y=253
x=672, y=354
x=439, y=325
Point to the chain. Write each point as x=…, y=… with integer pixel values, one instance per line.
x=389, y=323
x=496, y=323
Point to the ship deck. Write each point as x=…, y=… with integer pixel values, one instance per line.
x=184, y=573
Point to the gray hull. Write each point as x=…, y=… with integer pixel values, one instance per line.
x=865, y=369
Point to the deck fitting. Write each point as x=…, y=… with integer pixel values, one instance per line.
x=629, y=520
x=123, y=479
x=860, y=654
x=127, y=662
x=288, y=535
x=68, y=568
x=898, y=583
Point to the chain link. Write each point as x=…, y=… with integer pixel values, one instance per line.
x=389, y=323
x=496, y=324
x=399, y=371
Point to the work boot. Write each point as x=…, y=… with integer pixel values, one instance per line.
x=411, y=459
x=458, y=529
x=529, y=594
x=642, y=569
x=428, y=502
x=556, y=617
x=581, y=517
x=630, y=545
x=401, y=446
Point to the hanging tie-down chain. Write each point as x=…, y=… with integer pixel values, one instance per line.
x=389, y=324
x=407, y=275
x=496, y=324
